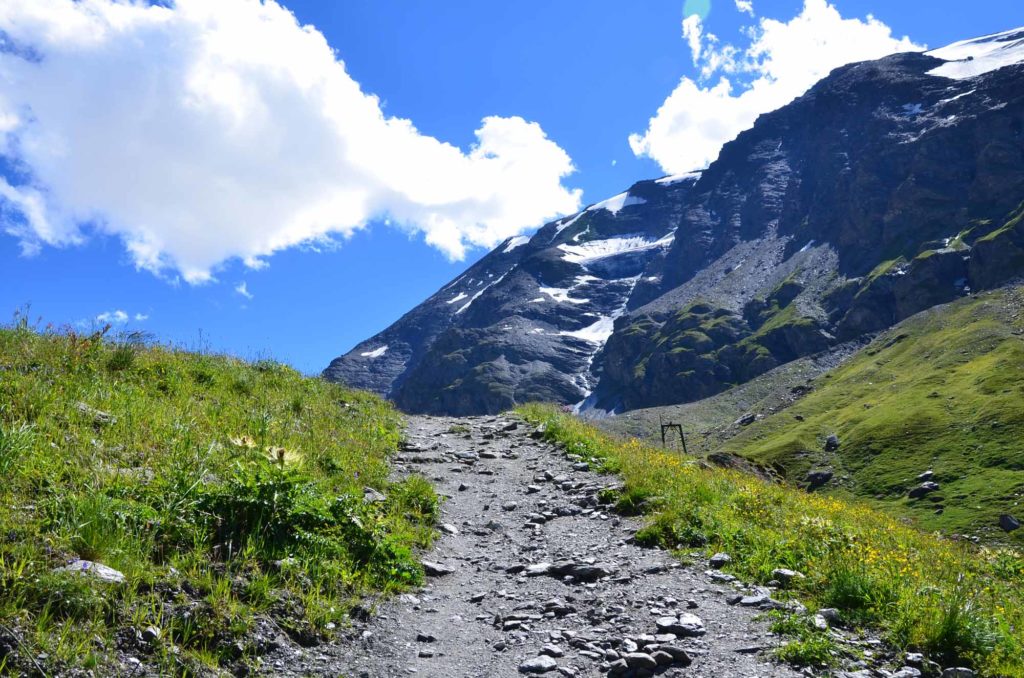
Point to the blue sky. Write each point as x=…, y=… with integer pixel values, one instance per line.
x=590, y=74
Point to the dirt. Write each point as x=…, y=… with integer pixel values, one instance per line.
x=482, y=614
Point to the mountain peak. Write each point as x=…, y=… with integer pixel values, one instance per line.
x=881, y=193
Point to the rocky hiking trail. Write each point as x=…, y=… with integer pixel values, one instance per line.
x=531, y=575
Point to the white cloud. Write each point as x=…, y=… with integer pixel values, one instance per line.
x=208, y=131
x=243, y=289
x=745, y=6
x=782, y=61
x=141, y=317
x=693, y=31
x=117, y=317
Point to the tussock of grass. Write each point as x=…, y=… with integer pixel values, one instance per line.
x=231, y=496
x=958, y=604
x=807, y=645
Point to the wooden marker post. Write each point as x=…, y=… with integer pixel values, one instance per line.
x=665, y=428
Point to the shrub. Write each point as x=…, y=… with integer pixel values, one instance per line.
x=121, y=358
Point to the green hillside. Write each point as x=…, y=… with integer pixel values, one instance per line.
x=229, y=495
x=711, y=421
x=941, y=392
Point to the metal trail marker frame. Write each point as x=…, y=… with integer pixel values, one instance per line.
x=665, y=428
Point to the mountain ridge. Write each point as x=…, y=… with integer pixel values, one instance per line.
x=684, y=286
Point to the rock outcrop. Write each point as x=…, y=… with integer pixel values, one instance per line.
x=891, y=186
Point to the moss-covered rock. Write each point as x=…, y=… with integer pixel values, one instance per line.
x=999, y=255
x=701, y=350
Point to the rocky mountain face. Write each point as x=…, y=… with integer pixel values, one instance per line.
x=890, y=187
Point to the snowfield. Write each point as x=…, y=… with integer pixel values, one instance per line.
x=597, y=333
x=561, y=294
x=617, y=202
x=515, y=242
x=610, y=247
x=376, y=353
x=676, y=178
x=971, y=58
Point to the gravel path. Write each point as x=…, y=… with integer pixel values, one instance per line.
x=533, y=576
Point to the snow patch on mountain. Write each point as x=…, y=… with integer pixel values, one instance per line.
x=376, y=353
x=597, y=333
x=576, y=238
x=676, y=178
x=560, y=294
x=515, y=242
x=459, y=297
x=454, y=282
x=566, y=223
x=958, y=96
x=971, y=58
x=617, y=202
x=477, y=295
x=610, y=247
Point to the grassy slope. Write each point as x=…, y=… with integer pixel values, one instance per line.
x=958, y=605
x=709, y=421
x=942, y=391
x=229, y=494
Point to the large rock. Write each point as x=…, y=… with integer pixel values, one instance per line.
x=685, y=625
x=432, y=569
x=923, y=489
x=541, y=664
x=1008, y=523
x=95, y=570
x=818, y=478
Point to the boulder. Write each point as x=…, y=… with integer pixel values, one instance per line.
x=432, y=569
x=685, y=625
x=923, y=489
x=1008, y=523
x=541, y=664
x=818, y=478
x=95, y=570
x=785, y=576
x=746, y=420
x=99, y=417
x=640, y=660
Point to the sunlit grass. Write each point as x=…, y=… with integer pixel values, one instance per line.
x=223, y=491
x=959, y=604
x=941, y=391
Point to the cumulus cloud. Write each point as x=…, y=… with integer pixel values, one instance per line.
x=202, y=132
x=243, y=289
x=117, y=317
x=736, y=84
x=745, y=6
x=693, y=33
